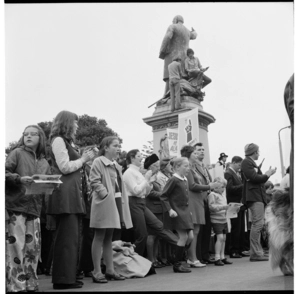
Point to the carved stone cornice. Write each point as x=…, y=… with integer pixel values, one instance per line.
x=168, y=119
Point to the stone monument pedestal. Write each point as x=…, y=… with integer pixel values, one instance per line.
x=163, y=118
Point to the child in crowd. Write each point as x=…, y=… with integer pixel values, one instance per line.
x=23, y=224
x=176, y=201
x=218, y=205
x=107, y=213
x=269, y=187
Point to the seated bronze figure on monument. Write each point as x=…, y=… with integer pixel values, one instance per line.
x=176, y=43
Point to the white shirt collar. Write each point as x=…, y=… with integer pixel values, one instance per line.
x=179, y=177
x=134, y=167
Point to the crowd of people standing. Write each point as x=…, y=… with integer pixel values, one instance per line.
x=168, y=208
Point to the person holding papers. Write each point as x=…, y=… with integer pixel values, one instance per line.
x=218, y=205
x=23, y=226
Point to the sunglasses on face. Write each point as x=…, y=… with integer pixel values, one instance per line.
x=25, y=134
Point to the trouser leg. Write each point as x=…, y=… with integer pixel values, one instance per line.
x=199, y=243
x=86, y=262
x=242, y=231
x=235, y=234
x=206, y=80
x=32, y=252
x=206, y=236
x=65, y=250
x=80, y=237
x=167, y=87
x=16, y=230
x=154, y=223
x=257, y=212
x=45, y=246
x=137, y=208
x=50, y=255
x=177, y=95
x=172, y=95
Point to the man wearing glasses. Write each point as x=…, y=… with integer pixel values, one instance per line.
x=254, y=197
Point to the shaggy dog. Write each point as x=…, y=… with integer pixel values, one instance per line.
x=280, y=221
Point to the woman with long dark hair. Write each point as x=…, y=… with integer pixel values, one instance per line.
x=66, y=202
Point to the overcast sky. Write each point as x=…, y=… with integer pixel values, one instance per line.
x=102, y=60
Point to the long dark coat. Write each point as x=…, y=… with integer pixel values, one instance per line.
x=176, y=196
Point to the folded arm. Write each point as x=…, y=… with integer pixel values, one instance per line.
x=60, y=151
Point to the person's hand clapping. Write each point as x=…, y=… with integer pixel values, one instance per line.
x=172, y=213
x=148, y=175
x=87, y=155
x=26, y=180
x=271, y=171
x=153, y=178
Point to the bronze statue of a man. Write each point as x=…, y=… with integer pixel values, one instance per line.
x=175, y=43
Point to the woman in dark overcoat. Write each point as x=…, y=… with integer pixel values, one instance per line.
x=196, y=196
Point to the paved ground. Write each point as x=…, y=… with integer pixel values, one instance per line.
x=242, y=275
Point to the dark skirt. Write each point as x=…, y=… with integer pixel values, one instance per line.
x=183, y=221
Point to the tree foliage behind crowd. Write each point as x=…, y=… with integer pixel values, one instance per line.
x=90, y=131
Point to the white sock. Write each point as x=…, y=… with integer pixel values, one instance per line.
x=222, y=256
x=217, y=256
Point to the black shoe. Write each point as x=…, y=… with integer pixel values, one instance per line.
x=208, y=261
x=156, y=264
x=88, y=274
x=178, y=268
x=203, y=261
x=80, y=275
x=79, y=282
x=235, y=255
x=259, y=258
x=244, y=254
x=225, y=261
x=66, y=286
x=161, y=263
x=219, y=262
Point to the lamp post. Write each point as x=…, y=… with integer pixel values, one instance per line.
x=280, y=150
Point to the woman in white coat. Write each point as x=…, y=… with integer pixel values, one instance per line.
x=109, y=209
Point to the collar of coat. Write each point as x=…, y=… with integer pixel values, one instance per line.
x=179, y=177
x=234, y=173
x=32, y=152
x=106, y=161
x=254, y=163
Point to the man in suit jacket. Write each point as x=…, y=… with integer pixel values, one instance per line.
x=204, y=235
x=254, y=196
x=234, y=193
